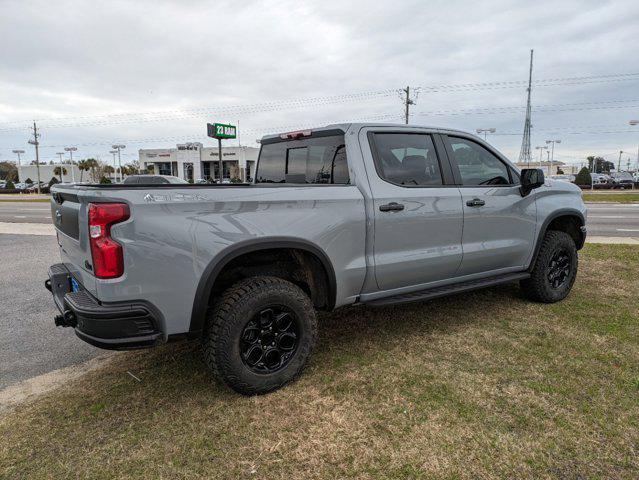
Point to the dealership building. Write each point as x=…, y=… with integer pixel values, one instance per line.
x=47, y=171
x=193, y=161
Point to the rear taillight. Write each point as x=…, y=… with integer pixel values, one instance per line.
x=108, y=258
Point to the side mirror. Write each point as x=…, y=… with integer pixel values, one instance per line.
x=531, y=178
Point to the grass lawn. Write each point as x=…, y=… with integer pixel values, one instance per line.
x=481, y=385
x=611, y=197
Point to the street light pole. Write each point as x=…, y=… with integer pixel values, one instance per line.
x=552, y=155
x=485, y=131
x=115, y=168
x=18, y=152
x=541, y=149
x=71, y=150
x=118, y=148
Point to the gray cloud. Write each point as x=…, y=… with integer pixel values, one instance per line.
x=77, y=59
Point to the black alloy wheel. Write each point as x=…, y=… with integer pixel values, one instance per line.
x=559, y=268
x=269, y=339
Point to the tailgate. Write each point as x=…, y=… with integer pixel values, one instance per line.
x=69, y=219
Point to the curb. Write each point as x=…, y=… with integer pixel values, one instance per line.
x=28, y=389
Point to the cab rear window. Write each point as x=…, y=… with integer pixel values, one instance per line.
x=308, y=160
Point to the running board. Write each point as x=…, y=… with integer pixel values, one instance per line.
x=437, y=292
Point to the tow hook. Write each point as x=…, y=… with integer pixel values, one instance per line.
x=67, y=319
x=47, y=284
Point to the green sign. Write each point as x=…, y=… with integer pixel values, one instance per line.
x=221, y=130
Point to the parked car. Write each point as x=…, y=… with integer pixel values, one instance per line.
x=152, y=179
x=601, y=181
x=563, y=178
x=622, y=180
x=33, y=188
x=346, y=214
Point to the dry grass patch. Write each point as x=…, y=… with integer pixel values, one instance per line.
x=481, y=385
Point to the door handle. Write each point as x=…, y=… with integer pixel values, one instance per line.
x=391, y=207
x=475, y=202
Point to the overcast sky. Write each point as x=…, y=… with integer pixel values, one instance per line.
x=150, y=74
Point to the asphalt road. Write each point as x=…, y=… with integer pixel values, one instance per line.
x=30, y=344
x=25, y=212
x=613, y=220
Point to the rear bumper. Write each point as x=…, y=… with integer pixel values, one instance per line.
x=113, y=326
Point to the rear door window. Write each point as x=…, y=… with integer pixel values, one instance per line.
x=320, y=160
x=407, y=159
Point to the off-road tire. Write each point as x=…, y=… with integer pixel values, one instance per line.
x=227, y=321
x=538, y=287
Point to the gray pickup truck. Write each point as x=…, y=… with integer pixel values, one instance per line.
x=345, y=214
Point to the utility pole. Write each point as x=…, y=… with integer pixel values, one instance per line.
x=524, y=153
x=36, y=143
x=404, y=94
x=619, y=162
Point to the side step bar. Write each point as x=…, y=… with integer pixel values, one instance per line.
x=461, y=287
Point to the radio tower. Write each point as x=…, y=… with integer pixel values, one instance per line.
x=524, y=153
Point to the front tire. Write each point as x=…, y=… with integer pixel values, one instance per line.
x=555, y=269
x=260, y=335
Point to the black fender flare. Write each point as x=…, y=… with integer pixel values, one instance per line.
x=564, y=212
x=215, y=266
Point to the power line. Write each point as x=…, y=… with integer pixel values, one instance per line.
x=162, y=115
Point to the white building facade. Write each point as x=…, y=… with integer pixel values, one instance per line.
x=193, y=161
x=47, y=171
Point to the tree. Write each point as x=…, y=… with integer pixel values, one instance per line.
x=9, y=185
x=108, y=170
x=134, y=167
x=559, y=171
x=150, y=168
x=83, y=167
x=9, y=171
x=92, y=164
x=599, y=165
x=104, y=180
x=583, y=177
x=59, y=171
